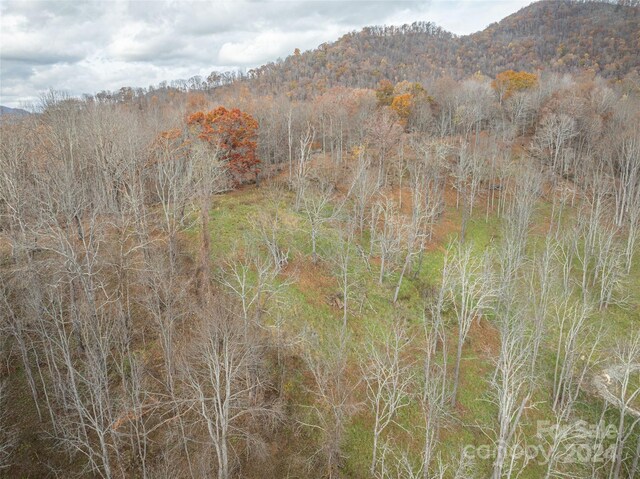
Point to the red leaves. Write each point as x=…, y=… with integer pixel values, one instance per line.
x=233, y=133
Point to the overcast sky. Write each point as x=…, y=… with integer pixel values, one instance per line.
x=85, y=47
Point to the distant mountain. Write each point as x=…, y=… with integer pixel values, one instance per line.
x=560, y=35
x=5, y=110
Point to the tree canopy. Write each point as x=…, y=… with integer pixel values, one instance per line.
x=233, y=133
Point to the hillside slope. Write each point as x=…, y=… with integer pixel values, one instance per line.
x=559, y=35
x=5, y=110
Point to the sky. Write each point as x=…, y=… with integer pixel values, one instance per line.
x=85, y=47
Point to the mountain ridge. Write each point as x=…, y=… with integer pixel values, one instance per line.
x=6, y=110
x=559, y=35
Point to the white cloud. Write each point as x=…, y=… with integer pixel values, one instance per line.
x=269, y=45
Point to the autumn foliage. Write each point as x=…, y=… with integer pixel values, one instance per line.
x=402, y=104
x=403, y=98
x=509, y=82
x=233, y=133
x=384, y=93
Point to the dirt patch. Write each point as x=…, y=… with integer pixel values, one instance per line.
x=541, y=226
x=312, y=279
x=450, y=195
x=484, y=338
x=402, y=197
x=442, y=229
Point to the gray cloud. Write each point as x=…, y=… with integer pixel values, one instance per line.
x=91, y=46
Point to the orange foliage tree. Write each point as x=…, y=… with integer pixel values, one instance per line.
x=233, y=133
x=510, y=81
x=402, y=105
x=409, y=99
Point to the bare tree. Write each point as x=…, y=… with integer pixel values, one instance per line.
x=575, y=348
x=596, y=247
x=396, y=464
x=552, y=140
x=470, y=290
x=251, y=279
x=8, y=437
x=138, y=420
x=562, y=438
x=516, y=227
x=269, y=228
x=383, y=132
x=633, y=231
x=610, y=266
x=334, y=403
x=462, y=173
x=584, y=241
x=83, y=388
x=219, y=392
x=17, y=326
x=626, y=176
x=172, y=175
x=318, y=209
x=165, y=300
x=343, y=260
x=511, y=390
x=521, y=110
x=413, y=235
x=290, y=141
x=16, y=185
x=627, y=356
x=362, y=190
x=427, y=183
x=387, y=376
x=434, y=399
x=210, y=178
x=541, y=280
x=300, y=178
x=385, y=233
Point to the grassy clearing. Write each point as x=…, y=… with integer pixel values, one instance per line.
x=307, y=312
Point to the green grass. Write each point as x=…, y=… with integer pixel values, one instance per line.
x=307, y=312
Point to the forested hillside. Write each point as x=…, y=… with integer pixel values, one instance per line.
x=554, y=35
